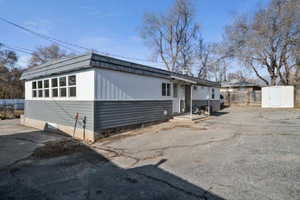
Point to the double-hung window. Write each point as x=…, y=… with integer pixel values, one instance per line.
x=72, y=85
x=166, y=89
x=40, y=88
x=46, y=88
x=54, y=86
x=34, y=91
x=62, y=86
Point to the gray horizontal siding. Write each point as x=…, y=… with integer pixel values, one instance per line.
x=110, y=114
x=61, y=112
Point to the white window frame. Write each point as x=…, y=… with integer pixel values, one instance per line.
x=53, y=88
x=34, y=89
x=44, y=89
x=71, y=86
x=164, y=85
x=62, y=87
x=40, y=89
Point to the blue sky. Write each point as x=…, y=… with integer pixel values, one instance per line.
x=108, y=26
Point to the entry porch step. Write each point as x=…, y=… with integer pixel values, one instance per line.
x=189, y=117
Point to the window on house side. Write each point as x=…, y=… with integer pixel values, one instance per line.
x=213, y=93
x=54, y=82
x=168, y=89
x=46, y=83
x=62, y=92
x=34, y=85
x=46, y=92
x=40, y=84
x=72, y=86
x=163, y=89
x=72, y=91
x=55, y=92
x=40, y=93
x=175, y=90
x=72, y=80
x=33, y=93
x=62, y=81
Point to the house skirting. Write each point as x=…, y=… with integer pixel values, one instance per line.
x=77, y=133
x=214, y=104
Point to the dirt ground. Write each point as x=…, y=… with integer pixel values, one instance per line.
x=239, y=153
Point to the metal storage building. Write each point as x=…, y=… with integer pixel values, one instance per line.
x=88, y=94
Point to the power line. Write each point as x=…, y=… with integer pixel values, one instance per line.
x=67, y=44
x=46, y=37
x=22, y=50
x=63, y=43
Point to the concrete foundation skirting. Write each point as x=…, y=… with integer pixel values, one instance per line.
x=79, y=133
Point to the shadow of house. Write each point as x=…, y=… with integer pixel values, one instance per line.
x=218, y=113
x=78, y=172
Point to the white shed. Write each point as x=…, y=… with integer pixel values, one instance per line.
x=278, y=97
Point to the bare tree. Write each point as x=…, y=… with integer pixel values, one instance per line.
x=212, y=61
x=265, y=41
x=45, y=54
x=203, y=55
x=172, y=35
x=10, y=84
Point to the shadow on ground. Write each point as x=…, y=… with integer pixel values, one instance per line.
x=67, y=169
x=219, y=113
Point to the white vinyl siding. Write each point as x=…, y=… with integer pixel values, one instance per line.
x=115, y=85
x=82, y=88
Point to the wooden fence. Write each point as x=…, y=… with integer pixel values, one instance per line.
x=242, y=98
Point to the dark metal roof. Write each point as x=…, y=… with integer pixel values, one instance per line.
x=93, y=60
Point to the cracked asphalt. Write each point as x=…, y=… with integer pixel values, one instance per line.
x=240, y=153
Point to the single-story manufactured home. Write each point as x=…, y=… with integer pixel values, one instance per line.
x=88, y=94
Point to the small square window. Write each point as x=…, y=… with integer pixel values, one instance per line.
x=46, y=93
x=63, y=92
x=40, y=84
x=72, y=80
x=62, y=81
x=34, y=93
x=55, y=92
x=46, y=83
x=34, y=85
x=72, y=92
x=54, y=82
x=40, y=93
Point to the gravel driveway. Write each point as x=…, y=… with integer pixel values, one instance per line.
x=240, y=153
